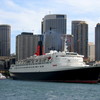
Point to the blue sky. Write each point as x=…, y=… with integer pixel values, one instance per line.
x=26, y=15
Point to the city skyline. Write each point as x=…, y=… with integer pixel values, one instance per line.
x=23, y=16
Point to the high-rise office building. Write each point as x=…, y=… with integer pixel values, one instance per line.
x=80, y=33
x=5, y=32
x=75, y=29
x=26, y=45
x=97, y=42
x=53, y=27
x=54, y=21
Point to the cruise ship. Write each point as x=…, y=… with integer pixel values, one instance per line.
x=56, y=67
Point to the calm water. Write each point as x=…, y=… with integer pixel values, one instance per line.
x=29, y=90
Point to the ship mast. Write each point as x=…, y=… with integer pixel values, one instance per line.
x=65, y=45
x=64, y=37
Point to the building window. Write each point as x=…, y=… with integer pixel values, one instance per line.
x=59, y=16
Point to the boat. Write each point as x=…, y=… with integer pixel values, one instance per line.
x=55, y=67
x=2, y=77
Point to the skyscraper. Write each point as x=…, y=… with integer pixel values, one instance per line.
x=97, y=42
x=75, y=34
x=5, y=32
x=54, y=21
x=80, y=33
x=26, y=45
x=53, y=27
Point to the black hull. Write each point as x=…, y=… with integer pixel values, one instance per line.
x=82, y=75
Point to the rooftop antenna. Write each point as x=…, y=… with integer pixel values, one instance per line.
x=33, y=31
x=49, y=12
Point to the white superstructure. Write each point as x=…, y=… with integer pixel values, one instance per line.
x=53, y=61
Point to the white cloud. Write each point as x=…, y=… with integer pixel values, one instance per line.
x=21, y=18
x=82, y=6
x=10, y=3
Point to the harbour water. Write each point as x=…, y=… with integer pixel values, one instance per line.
x=30, y=90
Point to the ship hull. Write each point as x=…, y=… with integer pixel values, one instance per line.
x=81, y=75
